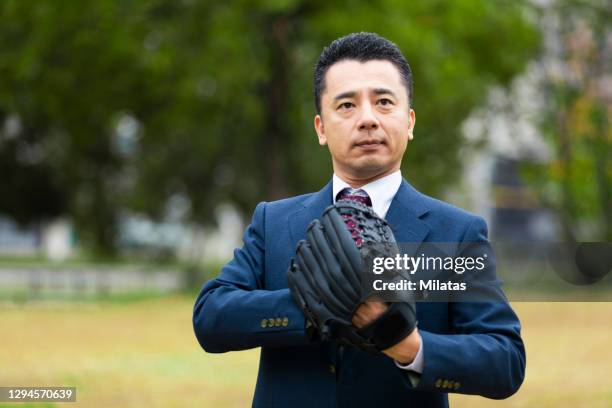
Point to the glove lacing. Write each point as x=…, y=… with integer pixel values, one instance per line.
x=356, y=224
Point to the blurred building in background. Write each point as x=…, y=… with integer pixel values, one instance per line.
x=139, y=237
x=53, y=240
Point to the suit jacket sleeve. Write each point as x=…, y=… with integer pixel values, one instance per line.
x=485, y=354
x=234, y=312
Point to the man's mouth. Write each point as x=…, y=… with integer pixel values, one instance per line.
x=369, y=143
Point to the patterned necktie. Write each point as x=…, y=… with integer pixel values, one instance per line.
x=353, y=194
x=360, y=196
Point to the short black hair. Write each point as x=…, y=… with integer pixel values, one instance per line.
x=362, y=47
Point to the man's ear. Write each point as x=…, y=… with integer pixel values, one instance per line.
x=320, y=129
x=411, y=122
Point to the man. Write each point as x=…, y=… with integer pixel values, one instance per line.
x=363, y=93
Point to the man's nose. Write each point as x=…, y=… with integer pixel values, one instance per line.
x=368, y=120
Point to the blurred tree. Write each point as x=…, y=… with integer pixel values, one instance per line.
x=577, y=183
x=134, y=105
x=66, y=72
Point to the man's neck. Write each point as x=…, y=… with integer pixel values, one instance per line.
x=358, y=182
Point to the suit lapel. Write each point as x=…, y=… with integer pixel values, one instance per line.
x=404, y=215
x=312, y=208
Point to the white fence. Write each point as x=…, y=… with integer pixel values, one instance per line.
x=87, y=281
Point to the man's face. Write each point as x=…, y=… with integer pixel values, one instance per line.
x=365, y=119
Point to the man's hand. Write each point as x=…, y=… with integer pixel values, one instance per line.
x=403, y=352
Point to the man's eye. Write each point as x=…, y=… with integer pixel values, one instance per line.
x=385, y=102
x=345, y=105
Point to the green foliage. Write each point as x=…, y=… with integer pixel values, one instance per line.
x=219, y=98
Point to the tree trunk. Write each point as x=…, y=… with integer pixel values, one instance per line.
x=276, y=93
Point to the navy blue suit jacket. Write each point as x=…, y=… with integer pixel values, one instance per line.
x=470, y=348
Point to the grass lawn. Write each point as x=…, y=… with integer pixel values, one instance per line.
x=143, y=353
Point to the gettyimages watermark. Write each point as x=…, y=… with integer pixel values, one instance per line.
x=459, y=272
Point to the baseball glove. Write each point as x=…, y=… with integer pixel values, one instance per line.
x=326, y=278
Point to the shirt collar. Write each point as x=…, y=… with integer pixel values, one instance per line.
x=381, y=191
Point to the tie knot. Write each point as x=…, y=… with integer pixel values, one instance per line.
x=357, y=195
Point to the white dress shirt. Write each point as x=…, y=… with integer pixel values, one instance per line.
x=381, y=193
